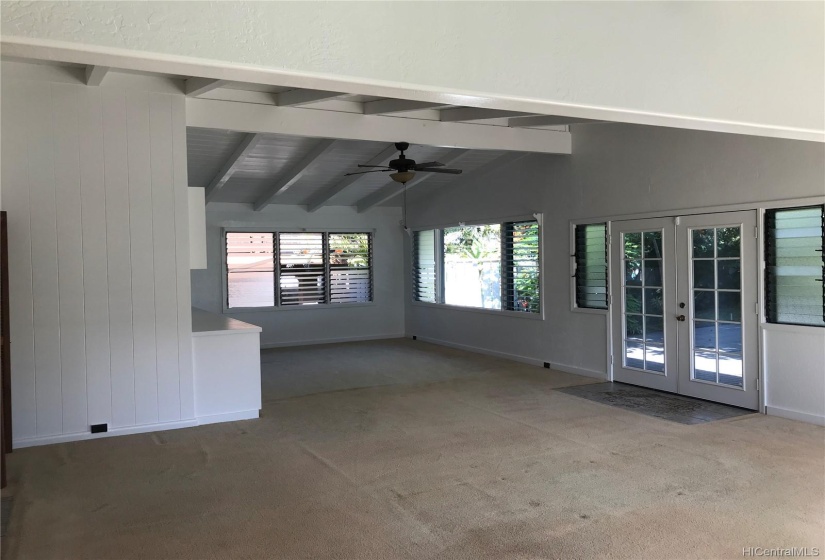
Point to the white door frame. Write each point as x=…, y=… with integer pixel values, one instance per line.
x=668, y=378
x=672, y=230
x=758, y=206
x=747, y=395
x=676, y=380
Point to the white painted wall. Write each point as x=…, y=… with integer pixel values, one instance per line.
x=750, y=62
x=94, y=183
x=614, y=170
x=384, y=318
x=794, y=361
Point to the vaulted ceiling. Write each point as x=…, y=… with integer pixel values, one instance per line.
x=261, y=169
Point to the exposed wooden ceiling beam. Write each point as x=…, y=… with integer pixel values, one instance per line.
x=394, y=189
x=318, y=200
x=294, y=173
x=251, y=117
x=388, y=106
x=546, y=120
x=462, y=114
x=231, y=164
x=199, y=86
x=297, y=97
x=95, y=74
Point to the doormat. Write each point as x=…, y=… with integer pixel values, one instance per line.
x=676, y=408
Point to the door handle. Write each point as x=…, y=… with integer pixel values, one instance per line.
x=680, y=317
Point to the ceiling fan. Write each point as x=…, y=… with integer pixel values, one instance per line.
x=404, y=169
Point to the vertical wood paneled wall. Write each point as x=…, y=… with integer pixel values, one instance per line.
x=94, y=183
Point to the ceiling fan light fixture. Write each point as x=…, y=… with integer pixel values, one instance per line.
x=402, y=176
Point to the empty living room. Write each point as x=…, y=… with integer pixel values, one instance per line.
x=412, y=280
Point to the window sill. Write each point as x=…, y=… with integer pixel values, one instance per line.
x=498, y=312
x=288, y=308
x=589, y=310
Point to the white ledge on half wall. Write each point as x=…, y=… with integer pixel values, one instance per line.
x=226, y=359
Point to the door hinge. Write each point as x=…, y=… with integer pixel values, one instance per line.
x=757, y=383
x=756, y=308
x=611, y=359
x=756, y=232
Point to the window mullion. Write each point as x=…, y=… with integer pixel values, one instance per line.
x=439, y=265
x=327, y=275
x=276, y=261
x=507, y=280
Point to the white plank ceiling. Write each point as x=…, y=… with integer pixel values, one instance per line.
x=275, y=155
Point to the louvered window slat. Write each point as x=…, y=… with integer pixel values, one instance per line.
x=521, y=267
x=424, y=266
x=307, y=268
x=591, y=266
x=350, y=262
x=250, y=268
x=488, y=266
x=301, y=268
x=795, y=266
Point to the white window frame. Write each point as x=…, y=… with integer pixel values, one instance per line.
x=763, y=289
x=288, y=308
x=539, y=316
x=572, y=251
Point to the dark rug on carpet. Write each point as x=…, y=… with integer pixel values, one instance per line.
x=668, y=406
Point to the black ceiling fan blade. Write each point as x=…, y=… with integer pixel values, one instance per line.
x=364, y=165
x=373, y=171
x=436, y=170
x=421, y=166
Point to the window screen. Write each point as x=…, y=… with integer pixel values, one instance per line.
x=350, y=258
x=794, y=266
x=521, y=272
x=250, y=269
x=424, y=266
x=591, y=266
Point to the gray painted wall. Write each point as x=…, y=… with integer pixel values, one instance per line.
x=317, y=324
x=614, y=170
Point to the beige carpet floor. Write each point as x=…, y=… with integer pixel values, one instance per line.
x=401, y=449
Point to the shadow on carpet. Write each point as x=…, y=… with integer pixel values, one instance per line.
x=668, y=406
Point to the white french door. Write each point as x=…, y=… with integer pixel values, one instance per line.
x=684, y=305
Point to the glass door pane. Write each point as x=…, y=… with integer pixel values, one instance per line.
x=716, y=282
x=642, y=305
x=717, y=317
x=643, y=279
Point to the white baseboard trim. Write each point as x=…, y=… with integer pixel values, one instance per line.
x=81, y=436
x=579, y=371
x=516, y=358
x=229, y=417
x=265, y=345
x=795, y=415
x=477, y=350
